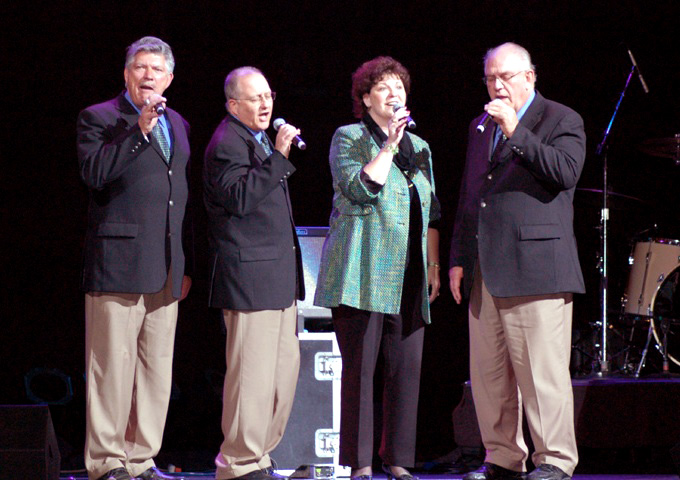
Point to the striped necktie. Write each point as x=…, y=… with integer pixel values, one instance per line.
x=157, y=132
x=264, y=141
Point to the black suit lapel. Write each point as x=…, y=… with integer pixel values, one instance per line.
x=130, y=115
x=253, y=145
x=530, y=119
x=127, y=111
x=534, y=113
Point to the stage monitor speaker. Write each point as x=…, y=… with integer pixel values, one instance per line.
x=312, y=435
x=310, y=317
x=28, y=445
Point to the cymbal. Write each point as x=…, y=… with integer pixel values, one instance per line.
x=611, y=194
x=593, y=196
x=662, y=147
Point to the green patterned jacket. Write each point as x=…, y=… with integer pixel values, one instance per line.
x=363, y=259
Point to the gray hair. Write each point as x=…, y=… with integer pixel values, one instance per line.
x=518, y=50
x=151, y=45
x=231, y=82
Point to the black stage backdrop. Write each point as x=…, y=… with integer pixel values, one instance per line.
x=58, y=59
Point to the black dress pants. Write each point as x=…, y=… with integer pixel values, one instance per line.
x=361, y=336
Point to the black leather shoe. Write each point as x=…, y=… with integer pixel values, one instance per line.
x=154, y=474
x=270, y=471
x=116, y=474
x=491, y=471
x=255, y=475
x=390, y=475
x=545, y=471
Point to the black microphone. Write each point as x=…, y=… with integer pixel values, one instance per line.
x=642, y=80
x=297, y=141
x=409, y=121
x=483, y=122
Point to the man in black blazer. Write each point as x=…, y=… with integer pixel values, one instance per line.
x=514, y=252
x=134, y=160
x=256, y=274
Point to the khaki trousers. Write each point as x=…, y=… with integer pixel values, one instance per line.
x=129, y=340
x=263, y=360
x=519, y=356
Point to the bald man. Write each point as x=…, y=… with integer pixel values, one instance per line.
x=513, y=253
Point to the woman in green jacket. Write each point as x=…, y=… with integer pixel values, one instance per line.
x=379, y=260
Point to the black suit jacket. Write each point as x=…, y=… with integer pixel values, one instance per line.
x=137, y=202
x=515, y=213
x=256, y=261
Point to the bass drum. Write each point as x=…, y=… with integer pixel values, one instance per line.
x=651, y=262
x=666, y=314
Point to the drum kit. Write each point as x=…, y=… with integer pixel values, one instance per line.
x=650, y=295
x=648, y=322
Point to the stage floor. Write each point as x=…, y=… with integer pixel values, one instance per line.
x=622, y=425
x=211, y=476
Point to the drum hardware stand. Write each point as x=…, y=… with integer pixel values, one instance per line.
x=665, y=327
x=643, y=358
x=628, y=367
x=601, y=151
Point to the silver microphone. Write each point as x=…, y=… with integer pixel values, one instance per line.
x=642, y=80
x=297, y=141
x=409, y=121
x=158, y=108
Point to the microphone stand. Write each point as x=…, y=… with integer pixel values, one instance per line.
x=603, y=359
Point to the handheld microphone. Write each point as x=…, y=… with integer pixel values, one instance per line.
x=409, y=121
x=297, y=141
x=642, y=80
x=483, y=122
x=158, y=108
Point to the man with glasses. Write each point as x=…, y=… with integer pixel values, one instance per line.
x=514, y=252
x=256, y=274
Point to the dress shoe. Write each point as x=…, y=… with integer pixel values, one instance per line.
x=255, y=475
x=491, y=471
x=154, y=474
x=116, y=474
x=272, y=473
x=362, y=477
x=391, y=476
x=545, y=471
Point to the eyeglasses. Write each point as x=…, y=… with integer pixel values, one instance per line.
x=262, y=98
x=503, y=77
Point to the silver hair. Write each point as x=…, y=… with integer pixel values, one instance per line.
x=231, y=82
x=519, y=50
x=151, y=45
